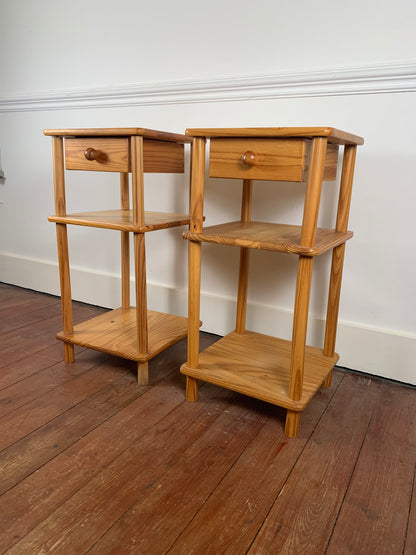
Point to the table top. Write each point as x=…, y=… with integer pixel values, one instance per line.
x=119, y=132
x=334, y=135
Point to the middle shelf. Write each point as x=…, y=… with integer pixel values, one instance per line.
x=269, y=236
x=122, y=220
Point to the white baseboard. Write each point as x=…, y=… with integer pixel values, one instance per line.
x=387, y=353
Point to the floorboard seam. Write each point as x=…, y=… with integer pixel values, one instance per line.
x=351, y=476
x=295, y=463
x=410, y=510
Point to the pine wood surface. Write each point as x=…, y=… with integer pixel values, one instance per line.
x=122, y=220
x=270, y=159
x=258, y=365
x=275, y=159
x=334, y=135
x=268, y=236
x=119, y=132
x=92, y=462
x=115, y=333
x=112, y=154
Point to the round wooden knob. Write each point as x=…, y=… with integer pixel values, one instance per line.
x=249, y=158
x=91, y=154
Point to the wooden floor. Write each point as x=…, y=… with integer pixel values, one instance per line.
x=91, y=462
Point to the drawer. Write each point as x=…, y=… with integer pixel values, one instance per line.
x=97, y=154
x=266, y=159
x=113, y=155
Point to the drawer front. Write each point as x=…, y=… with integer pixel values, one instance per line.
x=97, y=154
x=265, y=159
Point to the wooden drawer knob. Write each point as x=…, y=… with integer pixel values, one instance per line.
x=91, y=154
x=249, y=158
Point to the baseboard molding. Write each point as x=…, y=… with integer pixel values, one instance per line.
x=375, y=79
x=386, y=353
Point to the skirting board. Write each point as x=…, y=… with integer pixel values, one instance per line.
x=386, y=353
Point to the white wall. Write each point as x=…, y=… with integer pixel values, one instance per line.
x=172, y=65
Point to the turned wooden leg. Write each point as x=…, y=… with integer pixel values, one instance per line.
x=292, y=423
x=143, y=373
x=69, y=352
x=328, y=380
x=141, y=306
x=191, y=389
x=242, y=290
x=125, y=244
x=300, y=321
x=65, y=281
x=244, y=260
x=333, y=306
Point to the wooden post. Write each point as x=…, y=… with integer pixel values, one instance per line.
x=313, y=191
x=125, y=245
x=244, y=260
x=139, y=257
x=196, y=218
x=62, y=244
x=344, y=203
x=304, y=277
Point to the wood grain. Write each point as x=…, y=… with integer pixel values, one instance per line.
x=335, y=136
x=112, y=155
x=122, y=220
x=137, y=180
x=199, y=469
x=32, y=340
x=62, y=243
x=119, y=131
x=30, y=502
x=56, y=392
x=374, y=514
x=163, y=157
x=273, y=159
x=300, y=324
x=306, y=508
x=338, y=253
x=194, y=252
x=89, y=409
x=313, y=191
x=246, y=202
x=258, y=365
x=268, y=236
x=248, y=490
x=115, y=333
x=110, y=492
x=125, y=243
x=107, y=463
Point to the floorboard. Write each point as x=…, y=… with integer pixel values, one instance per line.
x=250, y=488
x=305, y=511
x=375, y=510
x=92, y=462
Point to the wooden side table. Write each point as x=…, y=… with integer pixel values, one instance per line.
x=130, y=332
x=285, y=373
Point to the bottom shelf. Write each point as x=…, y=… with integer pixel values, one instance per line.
x=115, y=333
x=258, y=365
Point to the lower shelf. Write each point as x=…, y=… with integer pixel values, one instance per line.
x=115, y=333
x=258, y=365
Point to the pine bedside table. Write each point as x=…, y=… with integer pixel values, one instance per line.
x=129, y=332
x=285, y=373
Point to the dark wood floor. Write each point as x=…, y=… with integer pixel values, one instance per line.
x=91, y=462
